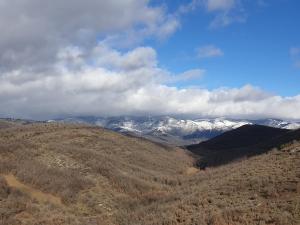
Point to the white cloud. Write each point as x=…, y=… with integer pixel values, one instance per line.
x=191, y=6
x=140, y=57
x=226, y=18
x=223, y=5
x=187, y=75
x=297, y=63
x=32, y=31
x=262, y=3
x=209, y=5
x=111, y=85
x=294, y=51
x=209, y=51
x=225, y=12
x=192, y=74
x=295, y=56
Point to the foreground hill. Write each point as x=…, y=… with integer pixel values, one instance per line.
x=92, y=171
x=76, y=174
x=7, y=123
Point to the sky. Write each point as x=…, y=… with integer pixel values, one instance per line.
x=191, y=58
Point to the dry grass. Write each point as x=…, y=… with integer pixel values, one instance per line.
x=38, y=195
x=106, y=178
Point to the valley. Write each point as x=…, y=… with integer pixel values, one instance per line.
x=57, y=173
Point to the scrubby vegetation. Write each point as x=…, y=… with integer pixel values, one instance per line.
x=101, y=177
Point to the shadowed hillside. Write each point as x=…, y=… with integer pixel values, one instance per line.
x=244, y=141
x=56, y=174
x=247, y=135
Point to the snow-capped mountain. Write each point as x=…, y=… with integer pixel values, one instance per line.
x=175, y=130
x=279, y=123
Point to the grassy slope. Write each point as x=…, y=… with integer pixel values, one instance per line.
x=6, y=124
x=102, y=177
x=93, y=171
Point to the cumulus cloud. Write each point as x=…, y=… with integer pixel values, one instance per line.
x=124, y=83
x=209, y=51
x=32, y=31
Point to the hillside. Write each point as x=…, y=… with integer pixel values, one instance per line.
x=10, y=122
x=247, y=135
x=7, y=123
x=92, y=171
x=244, y=141
x=53, y=173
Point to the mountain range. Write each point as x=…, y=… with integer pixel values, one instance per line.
x=61, y=173
x=174, y=130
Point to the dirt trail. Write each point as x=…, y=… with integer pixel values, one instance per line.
x=191, y=171
x=40, y=196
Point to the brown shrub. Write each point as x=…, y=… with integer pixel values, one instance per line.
x=4, y=190
x=122, y=180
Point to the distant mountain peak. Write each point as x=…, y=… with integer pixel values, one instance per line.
x=175, y=130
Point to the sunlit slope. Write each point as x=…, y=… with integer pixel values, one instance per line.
x=91, y=170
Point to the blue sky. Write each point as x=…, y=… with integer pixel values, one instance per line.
x=256, y=51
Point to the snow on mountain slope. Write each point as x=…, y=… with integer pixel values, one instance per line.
x=176, y=131
x=186, y=127
x=279, y=124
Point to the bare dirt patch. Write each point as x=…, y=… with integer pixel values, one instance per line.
x=191, y=171
x=40, y=196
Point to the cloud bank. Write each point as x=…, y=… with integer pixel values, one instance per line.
x=64, y=59
x=129, y=83
x=32, y=31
